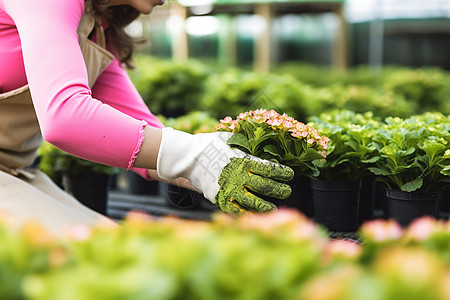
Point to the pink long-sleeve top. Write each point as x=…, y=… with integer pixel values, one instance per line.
x=39, y=46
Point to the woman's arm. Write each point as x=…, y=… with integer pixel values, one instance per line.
x=69, y=116
x=115, y=88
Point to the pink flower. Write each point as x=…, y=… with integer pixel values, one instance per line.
x=323, y=144
x=226, y=120
x=287, y=118
x=221, y=126
x=233, y=125
x=79, y=232
x=260, y=111
x=271, y=114
x=242, y=116
x=275, y=122
x=342, y=248
x=420, y=229
x=382, y=230
x=288, y=124
x=258, y=118
x=279, y=123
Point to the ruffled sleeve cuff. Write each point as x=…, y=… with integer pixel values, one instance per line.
x=140, y=140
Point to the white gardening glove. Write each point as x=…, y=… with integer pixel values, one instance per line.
x=225, y=176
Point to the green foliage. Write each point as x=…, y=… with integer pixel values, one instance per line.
x=391, y=91
x=55, y=162
x=233, y=91
x=414, y=153
x=175, y=259
x=192, y=122
x=321, y=76
x=360, y=99
x=350, y=150
x=22, y=255
x=422, y=88
x=174, y=88
x=170, y=88
x=279, y=255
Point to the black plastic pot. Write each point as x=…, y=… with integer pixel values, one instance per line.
x=404, y=207
x=182, y=198
x=380, y=202
x=336, y=204
x=445, y=203
x=137, y=185
x=300, y=197
x=367, y=199
x=90, y=189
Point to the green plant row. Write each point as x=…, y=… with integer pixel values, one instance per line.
x=411, y=154
x=192, y=122
x=55, y=162
x=174, y=88
x=281, y=255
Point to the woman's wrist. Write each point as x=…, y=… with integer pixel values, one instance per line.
x=148, y=154
x=181, y=182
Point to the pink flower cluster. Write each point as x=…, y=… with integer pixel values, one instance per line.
x=382, y=230
x=281, y=123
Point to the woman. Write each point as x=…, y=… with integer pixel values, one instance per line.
x=63, y=78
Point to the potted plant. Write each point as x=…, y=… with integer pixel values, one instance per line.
x=414, y=162
x=85, y=180
x=282, y=139
x=336, y=190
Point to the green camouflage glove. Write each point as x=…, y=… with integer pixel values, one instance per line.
x=241, y=176
x=227, y=177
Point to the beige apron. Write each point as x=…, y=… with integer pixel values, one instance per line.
x=26, y=194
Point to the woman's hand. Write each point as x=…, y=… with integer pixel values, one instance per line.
x=227, y=177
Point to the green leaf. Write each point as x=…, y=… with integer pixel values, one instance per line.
x=412, y=185
x=239, y=140
x=379, y=172
x=272, y=149
x=311, y=154
x=352, y=144
x=432, y=148
x=370, y=160
x=446, y=171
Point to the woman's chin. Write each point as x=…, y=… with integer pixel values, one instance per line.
x=146, y=10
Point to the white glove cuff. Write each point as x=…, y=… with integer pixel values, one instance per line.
x=199, y=158
x=174, y=146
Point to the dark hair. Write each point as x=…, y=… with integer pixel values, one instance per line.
x=118, y=17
